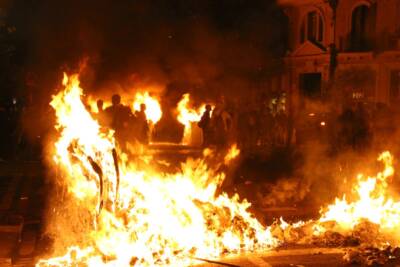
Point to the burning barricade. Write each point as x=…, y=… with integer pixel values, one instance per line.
x=112, y=211
x=115, y=213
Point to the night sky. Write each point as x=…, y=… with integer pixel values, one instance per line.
x=206, y=43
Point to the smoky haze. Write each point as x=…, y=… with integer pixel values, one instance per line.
x=218, y=44
x=202, y=47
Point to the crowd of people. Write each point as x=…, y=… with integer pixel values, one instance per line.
x=361, y=126
x=354, y=128
x=350, y=126
x=252, y=125
x=353, y=125
x=216, y=125
x=128, y=125
x=221, y=124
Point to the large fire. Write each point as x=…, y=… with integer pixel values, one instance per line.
x=137, y=215
x=153, y=109
x=372, y=203
x=188, y=115
x=134, y=215
x=372, y=217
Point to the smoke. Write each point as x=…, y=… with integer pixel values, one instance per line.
x=331, y=157
x=202, y=47
x=197, y=42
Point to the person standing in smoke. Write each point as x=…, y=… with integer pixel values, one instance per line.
x=345, y=125
x=142, y=125
x=361, y=128
x=119, y=116
x=221, y=121
x=205, y=125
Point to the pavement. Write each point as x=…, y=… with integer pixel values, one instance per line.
x=284, y=257
x=20, y=183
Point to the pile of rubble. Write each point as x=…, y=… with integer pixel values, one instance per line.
x=307, y=233
x=372, y=256
x=365, y=244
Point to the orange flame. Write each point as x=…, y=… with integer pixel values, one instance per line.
x=153, y=108
x=188, y=115
x=139, y=216
x=374, y=203
x=232, y=153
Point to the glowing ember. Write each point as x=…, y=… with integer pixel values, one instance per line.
x=132, y=215
x=153, y=108
x=188, y=115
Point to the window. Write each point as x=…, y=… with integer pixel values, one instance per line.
x=362, y=25
x=312, y=28
x=310, y=84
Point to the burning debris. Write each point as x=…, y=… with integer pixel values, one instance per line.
x=140, y=216
x=369, y=223
x=123, y=202
x=372, y=256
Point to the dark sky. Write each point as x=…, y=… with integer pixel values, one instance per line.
x=206, y=42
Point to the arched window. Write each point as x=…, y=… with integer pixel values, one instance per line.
x=312, y=28
x=362, y=27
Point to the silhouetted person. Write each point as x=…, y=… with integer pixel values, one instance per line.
x=119, y=117
x=361, y=128
x=206, y=127
x=142, y=125
x=346, y=128
x=221, y=121
x=382, y=122
x=354, y=128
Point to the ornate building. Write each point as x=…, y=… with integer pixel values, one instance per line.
x=347, y=48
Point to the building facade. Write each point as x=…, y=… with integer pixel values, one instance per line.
x=343, y=48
